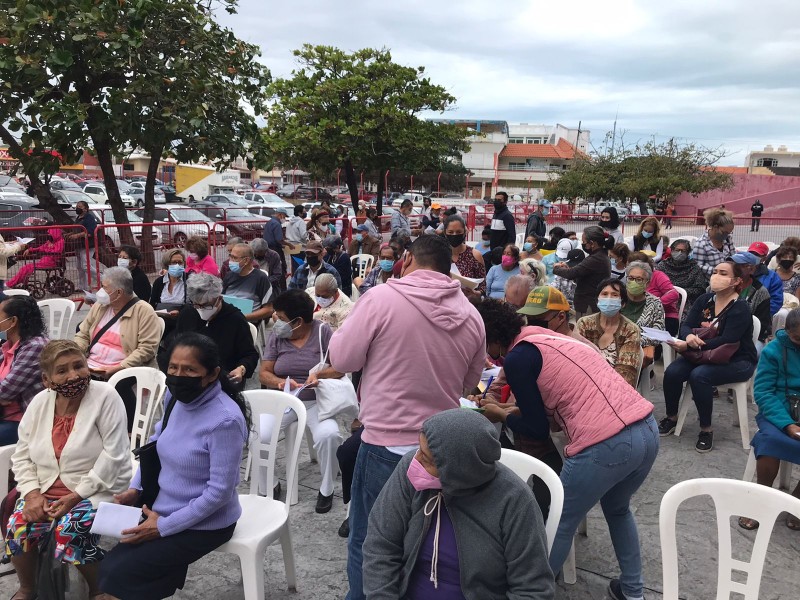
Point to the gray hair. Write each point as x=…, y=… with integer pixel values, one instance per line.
x=792, y=320
x=326, y=282
x=245, y=248
x=637, y=264
x=519, y=282
x=232, y=241
x=535, y=270
x=260, y=247
x=120, y=278
x=203, y=288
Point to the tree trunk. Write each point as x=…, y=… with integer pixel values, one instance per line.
x=352, y=184
x=148, y=256
x=379, y=199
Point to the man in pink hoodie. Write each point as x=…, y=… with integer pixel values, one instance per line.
x=420, y=344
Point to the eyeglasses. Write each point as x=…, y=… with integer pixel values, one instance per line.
x=637, y=279
x=201, y=306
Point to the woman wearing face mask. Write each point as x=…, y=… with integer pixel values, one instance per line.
x=130, y=258
x=198, y=260
x=648, y=238
x=373, y=224
x=721, y=308
x=683, y=271
x=530, y=249
x=73, y=453
x=169, y=291
x=591, y=271
x=331, y=305
x=382, y=272
x=618, y=256
x=195, y=512
x=452, y=522
x=319, y=226
x=716, y=243
x=468, y=261
x=119, y=332
x=642, y=307
x=661, y=288
x=609, y=220
x=498, y=275
x=207, y=313
x=617, y=338
x=20, y=376
x=298, y=345
x=786, y=256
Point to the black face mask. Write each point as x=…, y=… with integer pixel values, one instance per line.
x=312, y=260
x=456, y=240
x=786, y=265
x=586, y=249
x=499, y=205
x=185, y=389
x=79, y=211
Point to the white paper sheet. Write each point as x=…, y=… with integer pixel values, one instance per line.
x=25, y=241
x=112, y=519
x=657, y=335
x=465, y=403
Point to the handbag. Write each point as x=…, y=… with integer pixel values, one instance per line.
x=150, y=465
x=794, y=401
x=51, y=574
x=335, y=397
x=721, y=355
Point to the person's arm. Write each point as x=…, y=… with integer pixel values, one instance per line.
x=248, y=354
x=84, y=336
x=522, y=366
x=490, y=277
x=25, y=371
x=225, y=445
x=335, y=272
x=384, y=544
x=294, y=282
x=628, y=354
x=769, y=389
x=10, y=249
x=265, y=312
x=111, y=471
x=576, y=272
x=665, y=291
x=511, y=228
x=148, y=332
x=350, y=343
x=25, y=471
x=155, y=292
x=763, y=315
x=698, y=284
x=654, y=317
x=775, y=288
x=659, y=250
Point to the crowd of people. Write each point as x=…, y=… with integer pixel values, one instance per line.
x=432, y=509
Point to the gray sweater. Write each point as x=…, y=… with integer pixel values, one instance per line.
x=499, y=531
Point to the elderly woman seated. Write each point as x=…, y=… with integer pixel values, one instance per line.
x=269, y=261
x=642, y=307
x=210, y=315
x=119, y=332
x=72, y=454
x=297, y=346
x=20, y=375
x=331, y=305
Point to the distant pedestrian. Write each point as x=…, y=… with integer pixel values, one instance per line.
x=503, y=228
x=669, y=214
x=755, y=211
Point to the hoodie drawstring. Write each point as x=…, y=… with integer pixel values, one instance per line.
x=437, y=506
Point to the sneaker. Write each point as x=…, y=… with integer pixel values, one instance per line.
x=705, y=442
x=666, y=426
x=615, y=591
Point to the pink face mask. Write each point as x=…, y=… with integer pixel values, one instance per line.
x=507, y=261
x=420, y=478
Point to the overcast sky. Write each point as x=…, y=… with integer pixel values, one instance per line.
x=715, y=72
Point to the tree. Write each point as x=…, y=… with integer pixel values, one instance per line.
x=360, y=112
x=639, y=172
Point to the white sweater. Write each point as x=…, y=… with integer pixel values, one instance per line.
x=95, y=462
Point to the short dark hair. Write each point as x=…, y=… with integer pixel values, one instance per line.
x=132, y=252
x=405, y=203
x=295, y=304
x=503, y=194
x=496, y=255
x=198, y=245
x=82, y=203
x=792, y=319
x=29, y=316
x=501, y=321
x=596, y=234
x=487, y=231
x=617, y=285
x=298, y=210
x=784, y=250
x=432, y=252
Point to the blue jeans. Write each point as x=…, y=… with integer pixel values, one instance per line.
x=8, y=432
x=374, y=466
x=610, y=472
x=702, y=379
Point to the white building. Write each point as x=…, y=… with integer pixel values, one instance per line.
x=770, y=157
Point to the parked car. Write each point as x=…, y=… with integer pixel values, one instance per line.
x=305, y=192
x=170, y=193
x=229, y=199
x=266, y=198
x=57, y=183
x=287, y=190
x=623, y=212
x=97, y=190
x=240, y=222
x=72, y=197
x=180, y=224
x=137, y=191
x=7, y=181
x=269, y=188
x=143, y=179
x=109, y=236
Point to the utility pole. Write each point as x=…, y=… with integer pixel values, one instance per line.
x=614, y=134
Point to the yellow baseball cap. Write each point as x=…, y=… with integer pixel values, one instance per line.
x=543, y=299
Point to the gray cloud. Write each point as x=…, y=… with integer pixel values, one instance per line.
x=721, y=72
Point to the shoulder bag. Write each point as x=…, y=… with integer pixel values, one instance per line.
x=334, y=396
x=110, y=324
x=150, y=464
x=721, y=355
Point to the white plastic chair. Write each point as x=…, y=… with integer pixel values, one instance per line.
x=16, y=292
x=784, y=472
x=59, y=315
x=667, y=353
x=254, y=333
x=684, y=298
x=154, y=382
x=163, y=325
x=524, y=466
x=362, y=264
x=519, y=240
x=264, y=520
x=739, y=391
x=731, y=498
x=569, y=571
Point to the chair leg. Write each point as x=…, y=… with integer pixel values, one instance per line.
x=247, y=465
x=785, y=476
x=683, y=409
x=252, y=574
x=288, y=558
x=740, y=390
x=568, y=570
x=290, y=433
x=750, y=469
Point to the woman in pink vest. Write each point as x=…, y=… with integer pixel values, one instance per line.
x=613, y=438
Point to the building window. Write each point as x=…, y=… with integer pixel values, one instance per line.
x=516, y=140
x=767, y=162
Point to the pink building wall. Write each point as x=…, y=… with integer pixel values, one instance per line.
x=779, y=195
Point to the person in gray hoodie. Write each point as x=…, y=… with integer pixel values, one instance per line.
x=455, y=523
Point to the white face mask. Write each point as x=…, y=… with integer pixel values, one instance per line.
x=324, y=302
x=103, y=297
x=124, y=263
x=207, y=312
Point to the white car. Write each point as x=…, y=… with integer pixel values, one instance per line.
x=180, y=224
x=97, y=191
x=271, y=200
x=137, y=191
x=109, y=236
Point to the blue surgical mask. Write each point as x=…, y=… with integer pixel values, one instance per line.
x=234, y=266
x=609, y=306
x=527, y=247
x=386, y=265
x=175, y=271
x=545, y=211
x=359, y=238
x=647, y=234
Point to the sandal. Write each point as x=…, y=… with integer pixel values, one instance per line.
x=749, y=524
x=793, y=523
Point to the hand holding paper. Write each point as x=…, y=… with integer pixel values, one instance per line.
x=657, y=335
x=111, y=519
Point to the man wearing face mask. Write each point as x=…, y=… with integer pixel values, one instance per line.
x=297, y=235
x=89, y=222
x=209, y=314
x=503, y=229
x=769, y=279
x=331, y=305
x=305, y=276
x=339, y=260
x=537, y=226
x=364, y=243
x=245, y=281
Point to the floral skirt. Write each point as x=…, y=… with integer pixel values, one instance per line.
x=74, y=543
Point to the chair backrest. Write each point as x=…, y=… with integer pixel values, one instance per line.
x=59, y=314
x=756, y=329
x=684, y=297
x=16, y=292
x=731, y=498
x=641, y=364
x=163, y=325
x=362, y=264
x=525, y=466
x=273, y=403
x=155, y=383
x=519, y=240
x=254, y=333
x=6, y=452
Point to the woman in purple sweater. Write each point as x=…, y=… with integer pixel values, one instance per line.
x=197, y=505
